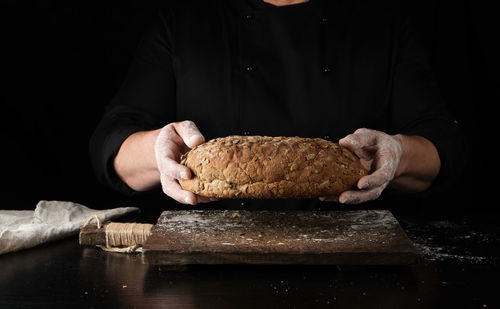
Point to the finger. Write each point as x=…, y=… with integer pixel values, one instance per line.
x=189, y=133
x=363, y=143
x=378, y=178
x=173, y=169
x=385, y=167
x=331, y=198
x=172, y=188
x=359, y=139
x=382, y=175
x=357, y=197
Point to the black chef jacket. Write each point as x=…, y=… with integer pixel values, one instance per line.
x=316, y=69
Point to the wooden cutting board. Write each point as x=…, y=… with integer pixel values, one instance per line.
x=361, y=237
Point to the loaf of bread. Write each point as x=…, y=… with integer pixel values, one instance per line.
x=270, y=167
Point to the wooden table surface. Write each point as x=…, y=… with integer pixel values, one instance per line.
x=459, y=269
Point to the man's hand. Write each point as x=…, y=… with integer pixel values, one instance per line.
x=147, y=159
x=380, y=154
x=408, y=163
x=173, y=140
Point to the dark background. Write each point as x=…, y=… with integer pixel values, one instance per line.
x=61, y=63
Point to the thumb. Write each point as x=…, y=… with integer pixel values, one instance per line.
x=189, y=133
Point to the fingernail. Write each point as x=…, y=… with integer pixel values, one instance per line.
x=365, y=185
x=345, y=200
x=194, y=138
x=187, y=200
x=348, y=140
x=183, y=175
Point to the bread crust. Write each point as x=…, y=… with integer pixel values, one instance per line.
x=265, y=167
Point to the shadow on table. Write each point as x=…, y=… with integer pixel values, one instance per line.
x=298, y=286
x=68, y=275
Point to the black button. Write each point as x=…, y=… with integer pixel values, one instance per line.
x=246, y=132
x=249, y=16
x=244, y=203
x=249, y=68
x=327, y=137
x=326, y=70
x=324, y=19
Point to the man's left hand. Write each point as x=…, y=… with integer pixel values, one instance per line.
x=380, y=153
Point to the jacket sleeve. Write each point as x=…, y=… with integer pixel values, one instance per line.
x=417, y=107
x=145, y=101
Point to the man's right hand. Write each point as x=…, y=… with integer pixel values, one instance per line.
x=147, y=159
x=173, y=140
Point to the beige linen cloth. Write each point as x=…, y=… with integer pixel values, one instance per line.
x=51, y=220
